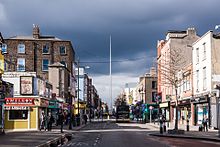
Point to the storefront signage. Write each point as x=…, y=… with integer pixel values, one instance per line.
x=18, y=74
x=16, y=108
x=44, y=103
x=20, y=101
x=53, y=104
x=163, y=105
x=26, y=85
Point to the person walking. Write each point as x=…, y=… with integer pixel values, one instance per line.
x=43, y=121
x=61, y=121
x=50, y=121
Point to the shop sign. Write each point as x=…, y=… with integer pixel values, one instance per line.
x=26, y=85
x=163, y=105
x=16, y=108
x=20, y=101
x=44, y=103
x=53, y=104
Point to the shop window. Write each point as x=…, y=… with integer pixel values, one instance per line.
x=18, y=114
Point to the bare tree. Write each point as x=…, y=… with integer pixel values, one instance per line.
x=168, y=66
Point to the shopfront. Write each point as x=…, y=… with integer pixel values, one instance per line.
x=184, y=111
x=202, y=109
x=165, y=110
x=24, y=113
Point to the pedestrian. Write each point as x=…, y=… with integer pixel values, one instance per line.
x=43, y=121
x=50, y=121
x=61, y=121
x=205, y=123
x=85, y=118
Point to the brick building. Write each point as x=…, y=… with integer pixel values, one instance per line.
x=34, y=53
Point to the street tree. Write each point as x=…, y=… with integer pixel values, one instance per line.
x=168, y=66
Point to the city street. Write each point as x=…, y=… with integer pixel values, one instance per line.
x=110, y=134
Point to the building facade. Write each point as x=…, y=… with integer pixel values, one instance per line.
x=206, y=69
x=176, y=42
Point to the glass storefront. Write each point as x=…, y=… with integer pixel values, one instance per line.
x=202, y=111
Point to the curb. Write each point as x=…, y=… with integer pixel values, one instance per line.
x=187, y=137
x=60, y=140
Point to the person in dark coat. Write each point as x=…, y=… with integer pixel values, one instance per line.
x=61, y=121
x=50, y=121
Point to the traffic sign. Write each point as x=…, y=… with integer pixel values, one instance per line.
x=151, y=107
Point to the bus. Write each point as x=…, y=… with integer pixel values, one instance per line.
x=122, y=113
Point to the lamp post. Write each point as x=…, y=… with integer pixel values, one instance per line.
x=78, y=117
x=70, y=103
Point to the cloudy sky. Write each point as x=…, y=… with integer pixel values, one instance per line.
x=135, y=27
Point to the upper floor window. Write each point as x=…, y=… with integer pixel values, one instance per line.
x=4, y=48
x=46, y=48
x=21, y=64
x=21, y=48
x=204, y=79
x=62, y=50
x=197, y=55
x=45, y=63
x=154, y=85
x=197, y=80
x=154, y=96
x=64, y=63
x=204, y=51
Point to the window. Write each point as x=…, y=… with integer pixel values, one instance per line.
x=204, y=79
x=21, y=64
x=4, y=48
x=154, y=85
x=197, y=55
x=45, y=64
x=21, y=48
x=154, y=95
x=46, y=48
x=197, y=80
x=204, y=51
x=64, y=63
x=18, y=114
x=62, y=50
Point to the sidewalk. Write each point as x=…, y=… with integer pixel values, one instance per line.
x=37, y=138
x=211, y=135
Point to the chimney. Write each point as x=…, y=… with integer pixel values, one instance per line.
x=36, y=31
x=153, y=71
x=191, y=31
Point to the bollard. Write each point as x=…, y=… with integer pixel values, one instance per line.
x=187, y=125
x=161, y=127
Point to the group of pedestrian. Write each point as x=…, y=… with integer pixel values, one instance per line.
x=46, y=121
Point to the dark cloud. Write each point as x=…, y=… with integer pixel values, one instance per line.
x=135, y=26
